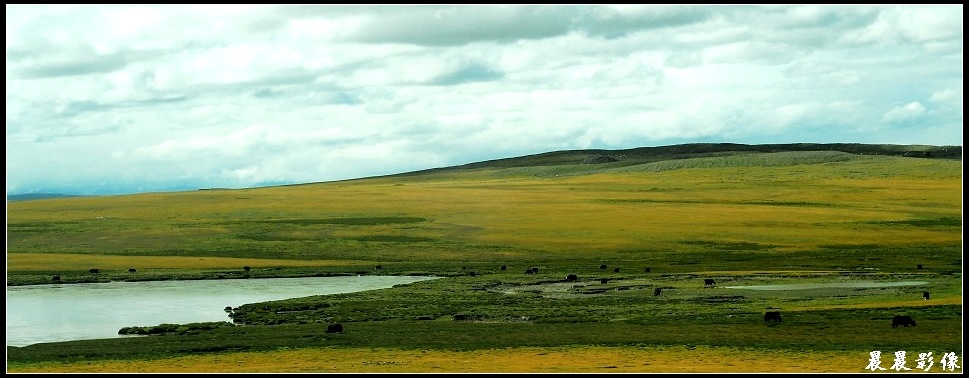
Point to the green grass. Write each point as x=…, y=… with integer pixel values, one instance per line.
x=830, y=330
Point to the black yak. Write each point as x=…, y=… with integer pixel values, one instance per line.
x=902, y=320
x=772, y=316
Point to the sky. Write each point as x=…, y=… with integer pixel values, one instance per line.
x=119, y=99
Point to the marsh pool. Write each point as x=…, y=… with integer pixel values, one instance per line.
x=63, y=312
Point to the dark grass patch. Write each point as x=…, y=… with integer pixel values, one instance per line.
x=790, y=203
x=739, y=203
x=357, y=221
x=42, y=227
x=393, y=239
x=173, y=328
x=927, y=223
x=721, y=299
x=268, y=237
x=852, y=246
x=645, y=200
x=730, y=246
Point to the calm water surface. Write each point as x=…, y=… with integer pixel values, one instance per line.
x=49, y=313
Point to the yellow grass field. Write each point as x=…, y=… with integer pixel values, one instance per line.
x=810, y=207
x=699, y=359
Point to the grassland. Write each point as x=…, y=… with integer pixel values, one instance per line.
x=747, y=218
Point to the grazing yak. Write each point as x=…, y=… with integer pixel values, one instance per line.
x=504, y=267
x=603, y=266
x=571, y=277
x=604, y=280
x=902, y=320
x=246, y=268
x=56, y=278
x=656, y=291
x=334, y=328
x=646, y=270
x=709, y=282
x=94, y=270
x=615, y=270
x=132, y=270
x=925, y=295
x=772, y=316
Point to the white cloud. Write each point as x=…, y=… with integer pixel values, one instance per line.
x=904, y=112
x=919, y=24
x=947, y=96
x=213, y=96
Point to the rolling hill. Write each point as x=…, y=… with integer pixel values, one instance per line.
x=559, y=251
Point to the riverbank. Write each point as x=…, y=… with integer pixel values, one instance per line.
x=48, y=269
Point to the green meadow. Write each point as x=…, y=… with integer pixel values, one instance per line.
x=625, y=227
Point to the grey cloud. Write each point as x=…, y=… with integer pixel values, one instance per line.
x=810, y=16
x=458, y=25
x=814, y=26
x=275, y=17
x=75, y=67
x=302, y=84
x=44, y=60
x=155, y=101
x=316, y=10
x=74, y=108
x=53, y=131
x=50, y=121
x=284, y=77
x=265, y=93
x=269, y=86
x=610, y=24
x=22, y=52
x=54, y=111
x=329, y=97
x=468, y=73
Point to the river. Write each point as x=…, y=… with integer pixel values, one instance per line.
x=63, y=312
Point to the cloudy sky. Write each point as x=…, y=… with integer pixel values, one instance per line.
x=125, y=99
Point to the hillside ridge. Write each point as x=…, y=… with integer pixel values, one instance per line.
x=641, y=155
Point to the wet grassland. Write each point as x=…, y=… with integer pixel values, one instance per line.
x=624, y=231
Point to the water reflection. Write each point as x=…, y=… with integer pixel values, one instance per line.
x=49, y=313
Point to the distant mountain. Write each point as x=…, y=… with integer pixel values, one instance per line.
x=37, y=196
x=643, y=155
